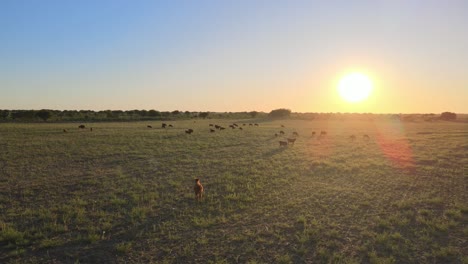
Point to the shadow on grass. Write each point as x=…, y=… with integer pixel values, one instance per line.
x=106, y=249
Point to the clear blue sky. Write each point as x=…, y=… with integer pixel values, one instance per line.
x=233, y=55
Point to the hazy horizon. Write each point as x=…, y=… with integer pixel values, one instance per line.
x=196, y=111
x=233, y=56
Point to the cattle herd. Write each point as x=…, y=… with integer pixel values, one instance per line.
x=282, y=143
x=288, y=140
x=295, y=135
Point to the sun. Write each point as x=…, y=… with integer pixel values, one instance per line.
x=355, y=87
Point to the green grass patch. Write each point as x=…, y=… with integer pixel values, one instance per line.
x=124, y=193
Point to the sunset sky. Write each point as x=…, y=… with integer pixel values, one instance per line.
x=233, y=55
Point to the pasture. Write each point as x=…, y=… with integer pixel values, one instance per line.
x=123, y=193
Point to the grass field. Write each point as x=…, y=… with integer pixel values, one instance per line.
x=124, y=193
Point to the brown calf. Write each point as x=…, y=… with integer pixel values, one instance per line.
x=198, y=188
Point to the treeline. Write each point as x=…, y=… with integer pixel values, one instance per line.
x=46, y=115
x=445, y=116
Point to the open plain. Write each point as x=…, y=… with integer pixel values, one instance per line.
x=123, y=192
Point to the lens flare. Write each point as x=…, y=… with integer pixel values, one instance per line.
x=394, y=145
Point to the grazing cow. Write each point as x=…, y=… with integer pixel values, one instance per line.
x=283, y=143
x=240, y=128
x=250, y=124
x=295, y=134
x=65, y=131
x=212, y=130
x=276, y=134
x=189, y=131
x=282, y=125
x=281, y=132
x=211, y=124
x=91, y=129
x=352, y=137
x=256, y=124
x=231, y=126
x=198, y=188
x=323, y=132
x=217, y=127
x=291, y=140
x=163, y=125
x=82, y=126
x=234, y=124
x=243, y=124
x=366, y=137
x=222, y=128
x=170, y=126
x=149, y=126
x=313, y=133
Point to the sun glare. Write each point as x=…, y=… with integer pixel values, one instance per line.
x=355, y=87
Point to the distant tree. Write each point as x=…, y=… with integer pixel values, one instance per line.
x=176, y=112
x=253, y=113
x=116, y=113
x=44, y=114
x=203, y=114
x=153, y=113
x=448, y=116
x=71, y=114
x=4, y=114
x=108, y=114
x=23, y=115
x=187, y=113
x=280, y=113
x=143, y=113
x=15, y=115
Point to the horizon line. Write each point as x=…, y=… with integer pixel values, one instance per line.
x=372, y=113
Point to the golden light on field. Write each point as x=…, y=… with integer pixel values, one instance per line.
x=355, y=87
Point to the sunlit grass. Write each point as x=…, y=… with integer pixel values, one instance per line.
x=124, y=193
